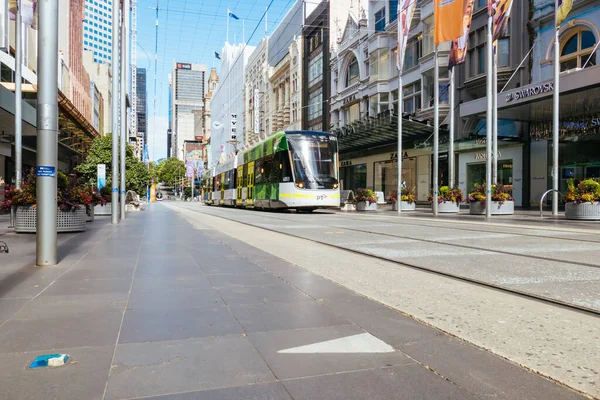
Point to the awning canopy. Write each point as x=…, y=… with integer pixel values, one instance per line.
x=382, y=130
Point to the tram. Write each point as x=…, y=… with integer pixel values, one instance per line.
x=291, y=169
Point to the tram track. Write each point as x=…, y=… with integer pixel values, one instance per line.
x=462, y=278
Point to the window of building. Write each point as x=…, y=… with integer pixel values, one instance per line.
x=374, y=105
x=379, y=64
x=411, y=95
x=393, y=10
x=576, y=48
x=315, y=70
x=380, y=20
x=476, y=59
x=352, y=76
x=428, y=35
x=315, y=104
x=351, y=113
x=429, y=86
x=414, y=51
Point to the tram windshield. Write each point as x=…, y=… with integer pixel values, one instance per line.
x=314, y=161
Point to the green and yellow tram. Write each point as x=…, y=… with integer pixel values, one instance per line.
x=292, y=169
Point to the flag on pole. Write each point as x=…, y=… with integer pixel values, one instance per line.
x=448, y=17
x=458, y=50
x=405, y=16
x=29, y=13
x=217, y=56
x=563, y=8
x=232, y=15
x=500, y=11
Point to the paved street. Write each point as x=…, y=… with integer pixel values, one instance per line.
x=180, y=302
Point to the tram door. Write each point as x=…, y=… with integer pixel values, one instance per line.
x=209, y=188
x=240, y=178
x=222, y=201
x=250, y=183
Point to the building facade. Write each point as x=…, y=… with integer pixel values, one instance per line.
x=227, y=111
x=213, y=82
x=100, y=76
x=97, y=29
x=256, y=95
x=316, y=72
x=142, y=104
x=187, y=91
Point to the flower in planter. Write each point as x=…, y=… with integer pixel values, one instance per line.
x=587, y=191
x=408, y=195
x=499, y=194
x=365, y=195
x=447, y=195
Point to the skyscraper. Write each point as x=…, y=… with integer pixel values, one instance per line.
x=187, y=89
x=97, y=29
x=142, y=105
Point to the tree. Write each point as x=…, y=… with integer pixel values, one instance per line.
x=171, y=170
x=137, y=176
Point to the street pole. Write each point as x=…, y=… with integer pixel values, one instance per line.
x=495, y=116
x=123, y=130
x=114, y=210
x=489, y=123
x=47, y=133
x=555, y=121
x=18, y=97
x=436, y=130
x=451, y=133
x=400, y=107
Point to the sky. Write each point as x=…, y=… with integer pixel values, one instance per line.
x=191, y=31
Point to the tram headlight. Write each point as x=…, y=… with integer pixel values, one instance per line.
x=300, y=185
x=335, y=185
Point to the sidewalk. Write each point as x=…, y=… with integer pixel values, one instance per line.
x=157, y=307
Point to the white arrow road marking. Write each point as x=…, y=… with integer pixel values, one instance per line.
x=361, y=343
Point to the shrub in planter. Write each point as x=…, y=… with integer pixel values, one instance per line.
x=407, y=200
x=583, y=200
x=71, y=198
x=502, y=201
x=365, y=199
x=448, y=199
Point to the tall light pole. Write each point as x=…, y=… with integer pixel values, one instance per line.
x=47, y=133
x=18, y=97
x=114, y=210
x=123, y=131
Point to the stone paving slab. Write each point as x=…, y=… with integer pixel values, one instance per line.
x=205, y=319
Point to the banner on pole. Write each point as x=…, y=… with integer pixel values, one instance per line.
x=256, y=106
x=29, y=12
x=189, y=169
x=563, y=8
x=500, y=11
x=448, y=15
x=458, y=49
x=101, y=176
x=406, y=11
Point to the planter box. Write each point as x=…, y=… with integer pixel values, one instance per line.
x=405, y=206
x=583, y=211
x=506, y=208
x=102, y=210
x=365, y=206
x=448, y=208
x=67, y=221
x=89, y=214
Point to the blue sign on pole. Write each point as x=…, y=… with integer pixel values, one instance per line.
x=42, y=170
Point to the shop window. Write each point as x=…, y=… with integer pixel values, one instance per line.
x=476, y=174
x=576, y=48
x=353, y=177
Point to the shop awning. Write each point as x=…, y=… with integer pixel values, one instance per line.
x=382, y=130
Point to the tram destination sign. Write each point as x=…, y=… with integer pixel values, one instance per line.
x=529, y=91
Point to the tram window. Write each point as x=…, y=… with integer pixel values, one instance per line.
x=282, y=159
x=259, y=172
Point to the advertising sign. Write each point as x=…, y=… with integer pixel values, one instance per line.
x=189, y=169
x=184, y=66
x=153, y=193
x=256, y=111
x=233, y=126
x=101, y=176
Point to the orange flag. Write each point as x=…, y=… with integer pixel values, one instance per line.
x=448, y=20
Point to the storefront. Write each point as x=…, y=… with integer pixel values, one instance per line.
x=369, y=157
x=530, y=108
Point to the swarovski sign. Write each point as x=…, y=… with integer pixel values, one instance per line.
x=526, y=92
